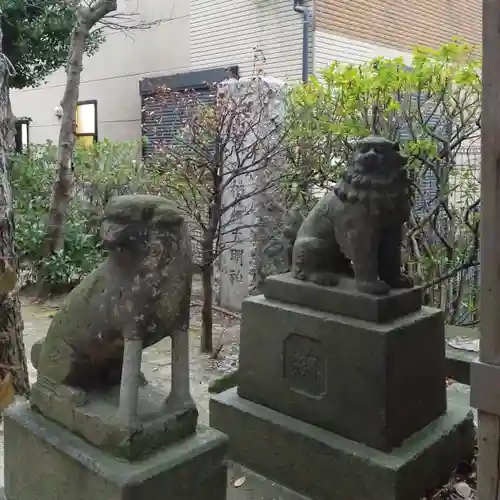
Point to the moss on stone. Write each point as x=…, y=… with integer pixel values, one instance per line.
x=227, y=381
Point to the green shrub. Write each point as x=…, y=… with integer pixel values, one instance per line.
x=101, y=171
x=31, y=177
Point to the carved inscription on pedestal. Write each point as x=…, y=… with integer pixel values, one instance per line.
x=304, y=365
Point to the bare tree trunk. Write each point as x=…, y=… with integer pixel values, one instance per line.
x=12, y=353
x=61, y=191
x=87, y=17
x=208, y=261
x=207, y=272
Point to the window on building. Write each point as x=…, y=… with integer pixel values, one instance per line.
x=22, y=138
x=86, y=122
x=161, y=122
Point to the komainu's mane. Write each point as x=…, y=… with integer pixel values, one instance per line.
x=357, y=185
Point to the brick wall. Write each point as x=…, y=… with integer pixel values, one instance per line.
x=401, y=24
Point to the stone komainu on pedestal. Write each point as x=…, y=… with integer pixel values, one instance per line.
x=90, y=403
x=359, y=223
x=341, y=389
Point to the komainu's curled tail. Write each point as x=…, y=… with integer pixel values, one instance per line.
x=291, y=230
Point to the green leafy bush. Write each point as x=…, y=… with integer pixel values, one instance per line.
x=101, y=171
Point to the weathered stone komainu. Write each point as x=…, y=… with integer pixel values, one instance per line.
x=359, y=224
x=141, y=294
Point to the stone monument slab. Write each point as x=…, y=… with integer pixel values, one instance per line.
x=344, y=298
x=376, y=383
x=326, y=466
x=44, y=460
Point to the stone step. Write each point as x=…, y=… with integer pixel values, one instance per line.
x=462, y=349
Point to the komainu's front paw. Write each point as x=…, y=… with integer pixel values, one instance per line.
x=401, y=281
x=323, y=278
x=175, y=403
x=377, y=287
x=299, y=274
x=143, y=381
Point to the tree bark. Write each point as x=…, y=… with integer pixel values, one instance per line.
x=12, y=352
x=63, y=184
x=208, y=259
x=207, y=272
x=87, y=17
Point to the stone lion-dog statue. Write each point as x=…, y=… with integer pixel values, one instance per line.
x=139, y=295
x=356, y=229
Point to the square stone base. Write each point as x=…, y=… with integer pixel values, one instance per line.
x=326, y=466
x=344, y=298
x=95, y=420
x=44, y=461
x=374, y=383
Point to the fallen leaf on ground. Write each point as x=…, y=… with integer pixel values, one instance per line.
x=239, y=482
x=463, y=489
x=6, y=392
x=49, y=314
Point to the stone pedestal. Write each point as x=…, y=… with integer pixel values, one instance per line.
x=96, y=420
x=45, y=461
x=342, y=394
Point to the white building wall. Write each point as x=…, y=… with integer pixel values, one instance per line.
x=227, y=32
x=112, y=75
x=192, y=35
